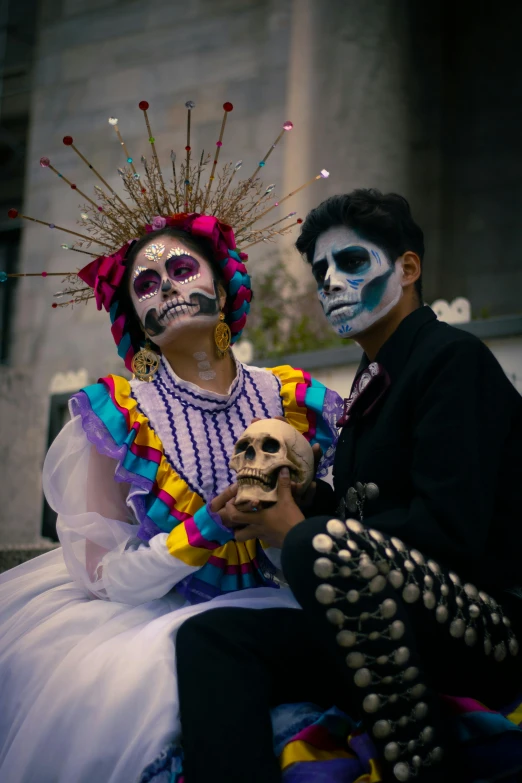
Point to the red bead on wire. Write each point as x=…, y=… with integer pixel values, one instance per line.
x=143, y=105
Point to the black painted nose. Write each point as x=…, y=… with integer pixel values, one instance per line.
x=166, y=286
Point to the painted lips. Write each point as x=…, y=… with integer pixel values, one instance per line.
x=343, y=310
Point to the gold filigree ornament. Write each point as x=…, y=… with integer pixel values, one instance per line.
x=222, y=336
x=145, y=363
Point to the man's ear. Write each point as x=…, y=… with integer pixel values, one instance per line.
x=411, y=268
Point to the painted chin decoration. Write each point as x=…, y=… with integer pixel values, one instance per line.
x=172, y=289
x=357, y=284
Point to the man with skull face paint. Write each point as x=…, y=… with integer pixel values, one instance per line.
x=409, y=574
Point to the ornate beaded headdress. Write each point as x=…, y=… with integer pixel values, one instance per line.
x=224, y=210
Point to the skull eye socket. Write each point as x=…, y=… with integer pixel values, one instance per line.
x=271, y=445
x=242, y=446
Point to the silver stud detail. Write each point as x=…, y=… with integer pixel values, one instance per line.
x=397, y=543
x=388, y=608
x=352, y=596
x=389, y=552
x=441, y=613
x=411, y=673
x=437, y=754
x=344, y=555
x=412, y=744
x=474, y=611
x=382, y=660
x=354, y=526
x=323, y=568
x=374, y=635
x=427, y=734
x=471, y=591
x=420, y=710
x=417, y=762
x=459, y=601
x=346, y=638
x=322, y=543
x=487, y=645
x=409, y=566
x=368, y=570
x=429, y=599
x=506, y=621
x=382, y=729
x=392, y=751
x=371, y=491
x=513, y=646
x=355, y=660
x=353, y=546
x=401, y=656
x=376, y=535
x=411, y=593
x=454, y=578
x=418, y=690
x=371, y=703
x=335, y=616
x=394, y=698
x=397, y=630
x=363, y=678
x=417, y=557
x=457, y=628
x=403, y=721
x=345, y=571
x=396, y=578
x=499, y=652
x=428, y=581
x=402, y=771
x=325, y=594
x=434, y=567
x=336, y=528
x=377, y=584
x=470, y=637
x=495, y=618
x=444, y=590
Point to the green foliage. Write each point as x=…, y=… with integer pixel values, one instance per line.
x=285, y=318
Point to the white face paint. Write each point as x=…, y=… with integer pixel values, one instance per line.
x=172, y=289
x=357, y=284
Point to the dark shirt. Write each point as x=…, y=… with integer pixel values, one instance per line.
x=444, y=446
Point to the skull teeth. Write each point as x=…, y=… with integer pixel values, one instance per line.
x=252, y=476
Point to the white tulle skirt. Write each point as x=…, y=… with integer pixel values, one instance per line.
x=88, y=688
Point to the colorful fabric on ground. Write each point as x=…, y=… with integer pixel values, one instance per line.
x=315, y=746
x=164, y=497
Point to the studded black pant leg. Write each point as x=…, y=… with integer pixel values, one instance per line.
x=398, y=622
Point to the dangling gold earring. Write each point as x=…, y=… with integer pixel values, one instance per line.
x=222, y=336
x=145, y=363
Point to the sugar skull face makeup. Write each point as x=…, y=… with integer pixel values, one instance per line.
x=171, y=285
x=357, y=284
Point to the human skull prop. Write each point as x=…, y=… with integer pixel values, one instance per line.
x=262, y=450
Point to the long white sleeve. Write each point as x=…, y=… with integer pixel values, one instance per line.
x=96, y=527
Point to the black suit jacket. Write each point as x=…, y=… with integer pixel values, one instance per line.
x=444, y=446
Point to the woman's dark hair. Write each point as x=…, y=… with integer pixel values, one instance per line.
x=385, y=220
x=125, y=305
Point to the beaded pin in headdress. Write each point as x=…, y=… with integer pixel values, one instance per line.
x=223, y=209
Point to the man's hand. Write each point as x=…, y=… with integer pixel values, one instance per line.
x=270, y=524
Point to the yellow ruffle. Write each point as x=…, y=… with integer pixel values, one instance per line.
x=290, y=379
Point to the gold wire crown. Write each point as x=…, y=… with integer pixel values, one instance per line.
x=111, y=222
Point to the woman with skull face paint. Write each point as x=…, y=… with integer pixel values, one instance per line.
x=138, y=478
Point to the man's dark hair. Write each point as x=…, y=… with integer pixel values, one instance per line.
x=382, y=219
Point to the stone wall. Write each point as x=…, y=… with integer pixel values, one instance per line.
x=380, y=93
